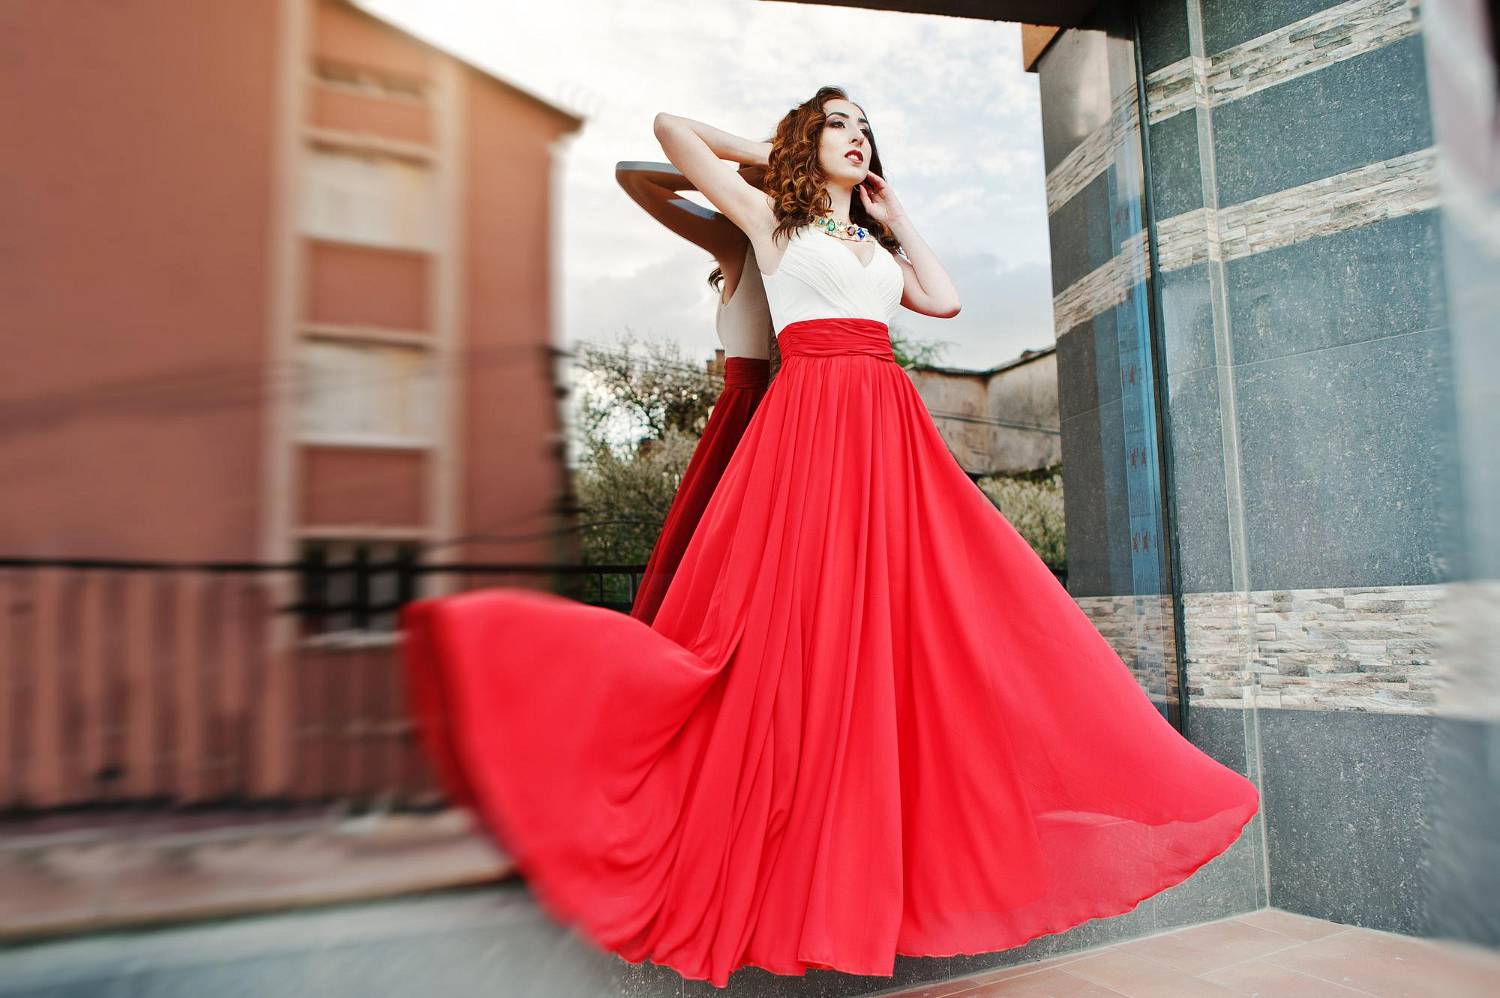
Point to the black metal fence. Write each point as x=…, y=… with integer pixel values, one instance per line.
x=127, y=683
x=227, y=683
x=365, y=593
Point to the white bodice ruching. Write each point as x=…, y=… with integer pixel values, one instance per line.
x=819, y=277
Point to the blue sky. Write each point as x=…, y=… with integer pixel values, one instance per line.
x=956, y=116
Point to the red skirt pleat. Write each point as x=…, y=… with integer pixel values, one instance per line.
x=866, y=719
x=745, y=381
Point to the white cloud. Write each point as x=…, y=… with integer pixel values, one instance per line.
x=956, y=116
x=1010, y=308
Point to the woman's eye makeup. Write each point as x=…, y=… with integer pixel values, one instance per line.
x=838, y=123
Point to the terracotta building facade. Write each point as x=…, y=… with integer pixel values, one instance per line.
x=275, y=282
x=279, y=284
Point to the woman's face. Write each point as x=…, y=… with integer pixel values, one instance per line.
x=844, y=145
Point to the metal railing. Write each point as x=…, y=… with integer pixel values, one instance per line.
x=225, y=683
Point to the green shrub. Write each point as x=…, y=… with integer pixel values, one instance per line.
x=624, y=499
x=1033, y=503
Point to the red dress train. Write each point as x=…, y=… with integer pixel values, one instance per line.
x=866, y=720
x=745, y=381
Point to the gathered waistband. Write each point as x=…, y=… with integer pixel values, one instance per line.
x=746, y=372
x=836, y=337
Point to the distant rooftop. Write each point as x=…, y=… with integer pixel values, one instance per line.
x=1025, y=357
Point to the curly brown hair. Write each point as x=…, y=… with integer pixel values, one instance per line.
x=796, y=179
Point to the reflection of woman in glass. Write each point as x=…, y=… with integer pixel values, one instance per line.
x=866, y=720
x=743, y=323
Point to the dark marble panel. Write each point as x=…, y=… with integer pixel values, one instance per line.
x=1088, y=365
x=1235, y=881
x=1084, y=510
x=1220, y=733
x=752, y=982
x=1079, y=233
x=1227, y=23
x=1098, y=524
x=1077, y=387
x=1139, y=921
x=1362, y=110
x=1226, y=886
x=1345, y=456
x=1345, y=801
x=1201, y=506
x=1176, y=167
x=1164, y=32
x=1361, y=284
x=1188, y=319
x=1074, y=83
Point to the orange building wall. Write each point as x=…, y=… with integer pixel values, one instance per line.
x=345, y=34
x=133, y=271
x=378, y=488
x=366, y=286
x=345, y=112
x=511, y=417
x=137, y=276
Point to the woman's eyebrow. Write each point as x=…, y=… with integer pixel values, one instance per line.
x=845, y=114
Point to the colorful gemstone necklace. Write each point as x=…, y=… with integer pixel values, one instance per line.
x=842, y=230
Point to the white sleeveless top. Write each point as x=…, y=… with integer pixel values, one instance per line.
x=744, y=321
x=820, y=278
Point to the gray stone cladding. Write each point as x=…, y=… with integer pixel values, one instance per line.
x=1341, y=32
x=1398, y=186
x=1426, y=649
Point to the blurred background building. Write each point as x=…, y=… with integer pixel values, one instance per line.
x=1001, y=420
x=278, y=269
x=282, y=276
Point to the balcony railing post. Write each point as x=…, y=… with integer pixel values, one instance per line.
x=361, y=588
x=406, y=575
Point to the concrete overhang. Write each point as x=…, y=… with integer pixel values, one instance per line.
x=1040, y=20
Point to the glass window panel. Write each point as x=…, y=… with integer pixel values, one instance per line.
x=375, y=391
x=368, y=199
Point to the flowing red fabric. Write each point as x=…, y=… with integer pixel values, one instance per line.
x=745, y=381
x=866, y=720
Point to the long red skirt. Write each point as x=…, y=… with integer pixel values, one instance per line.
x=867, y=720
x=745, y=381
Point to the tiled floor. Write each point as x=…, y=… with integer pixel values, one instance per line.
x=1269, y=953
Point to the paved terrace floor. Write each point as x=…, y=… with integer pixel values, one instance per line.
x=1269, y=953
x=193, y=907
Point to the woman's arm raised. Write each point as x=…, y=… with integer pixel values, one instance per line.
x=655, y=187
x=699, y=151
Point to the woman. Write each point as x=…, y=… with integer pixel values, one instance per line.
x=743, y=324
x=867, y=720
